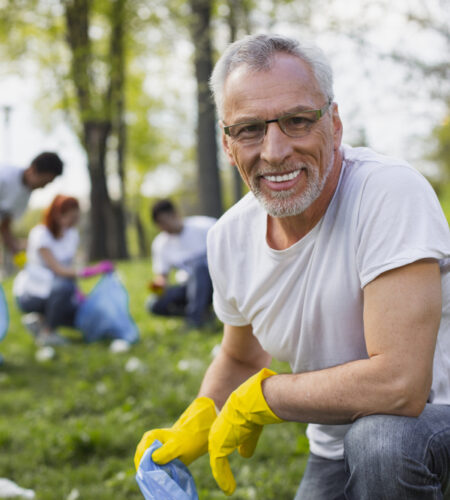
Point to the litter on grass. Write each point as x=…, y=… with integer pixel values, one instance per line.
x=45, y=354
x=9, y=489
x=133, y=365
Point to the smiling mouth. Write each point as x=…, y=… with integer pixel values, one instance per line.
x=282, y=178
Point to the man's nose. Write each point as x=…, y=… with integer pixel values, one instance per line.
x=276, y=145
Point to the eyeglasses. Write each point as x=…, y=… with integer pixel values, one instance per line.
x=296, y=124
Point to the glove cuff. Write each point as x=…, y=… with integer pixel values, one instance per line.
x=250, y=395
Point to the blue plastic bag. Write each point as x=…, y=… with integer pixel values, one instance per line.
x=104, y=314
x=4, y=315
x=171, y=481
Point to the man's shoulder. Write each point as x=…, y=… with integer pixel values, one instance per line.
x=364, y=166
x=242, y=217
x=240, y=213
x=199, y=221
x=160, y=241
x=10, y=173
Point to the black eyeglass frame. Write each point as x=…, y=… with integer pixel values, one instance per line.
x=318, y=115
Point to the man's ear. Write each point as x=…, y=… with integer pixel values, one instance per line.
x=226, y=147
x=337, y=127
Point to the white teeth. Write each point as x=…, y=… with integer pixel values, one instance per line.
x=282, y=178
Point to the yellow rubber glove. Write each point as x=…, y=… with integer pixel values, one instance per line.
x=20, y=259
x=187, y=439
x=239, y=425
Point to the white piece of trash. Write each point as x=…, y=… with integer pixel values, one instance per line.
x=45, y=353
x=119, y=345
x=9, y=489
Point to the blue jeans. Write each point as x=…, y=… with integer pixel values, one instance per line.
x=192, y=299
x=386, y=458
x=58, y=308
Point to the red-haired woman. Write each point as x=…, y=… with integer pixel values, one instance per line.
x=47, y=284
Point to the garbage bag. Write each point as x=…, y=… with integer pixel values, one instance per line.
x=171, y=481
x=104, y=313
x=4, y=315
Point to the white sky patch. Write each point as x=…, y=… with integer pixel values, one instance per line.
x=161, y=182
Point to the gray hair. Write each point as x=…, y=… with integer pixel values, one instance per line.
x=257, y=52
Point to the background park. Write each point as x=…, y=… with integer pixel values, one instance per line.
x=119, y=89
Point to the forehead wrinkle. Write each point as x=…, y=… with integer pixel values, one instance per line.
x=275, y=98
x=289, y=111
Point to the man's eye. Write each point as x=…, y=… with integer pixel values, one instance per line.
x=297, y=121
x=249, y=129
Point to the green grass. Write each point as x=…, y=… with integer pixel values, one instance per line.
x=73, y=422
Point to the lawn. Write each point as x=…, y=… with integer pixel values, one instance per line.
x=69, y=425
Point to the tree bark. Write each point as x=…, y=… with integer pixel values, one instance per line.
x=118, y=74
x=209, y=185
x=99, y=117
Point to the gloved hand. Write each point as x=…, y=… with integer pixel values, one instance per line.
x=105, y=266
x=187, y=439
x=239, y=425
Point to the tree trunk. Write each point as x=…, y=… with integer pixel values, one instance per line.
x=237, y=11
x=118, y=113
x=95, y=138
x=98, y=116
x=208, y=169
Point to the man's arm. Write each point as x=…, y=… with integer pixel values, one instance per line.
x=12, y=243
x=240, y=356
x=402, y=310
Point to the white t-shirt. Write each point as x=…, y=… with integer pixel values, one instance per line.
x=305, y=303
x=14, y=195
x=37, y=279
x=178, y=250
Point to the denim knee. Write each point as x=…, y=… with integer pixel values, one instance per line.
x=63, y=287
x=367, y=442
x=399, y=457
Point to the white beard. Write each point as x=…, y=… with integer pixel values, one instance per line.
x=280, y=203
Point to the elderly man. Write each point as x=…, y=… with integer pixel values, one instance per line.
x=335, y=262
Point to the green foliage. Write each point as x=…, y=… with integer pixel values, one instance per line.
x=441, y=153
x=73, y=422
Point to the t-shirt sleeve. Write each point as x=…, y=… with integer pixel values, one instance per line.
x=44, y=239
x=224, y=302
x=400, y=221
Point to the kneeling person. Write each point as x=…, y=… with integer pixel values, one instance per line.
x=181, y=245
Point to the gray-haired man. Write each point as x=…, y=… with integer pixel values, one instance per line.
x=335, y=262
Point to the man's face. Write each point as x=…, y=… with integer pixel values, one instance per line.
x=169, y=222
x=35, y=179
x=287, y=175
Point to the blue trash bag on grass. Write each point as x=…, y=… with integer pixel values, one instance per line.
x=104, y=314
x=4, y=315
x=171, y=481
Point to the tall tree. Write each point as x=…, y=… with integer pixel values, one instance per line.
x=209, y=185
x=98, y=116
x=238, y=24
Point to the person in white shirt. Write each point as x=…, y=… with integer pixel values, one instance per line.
x=16, y=185
x=181, y=245
x=47, y=284
x=337, y=261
